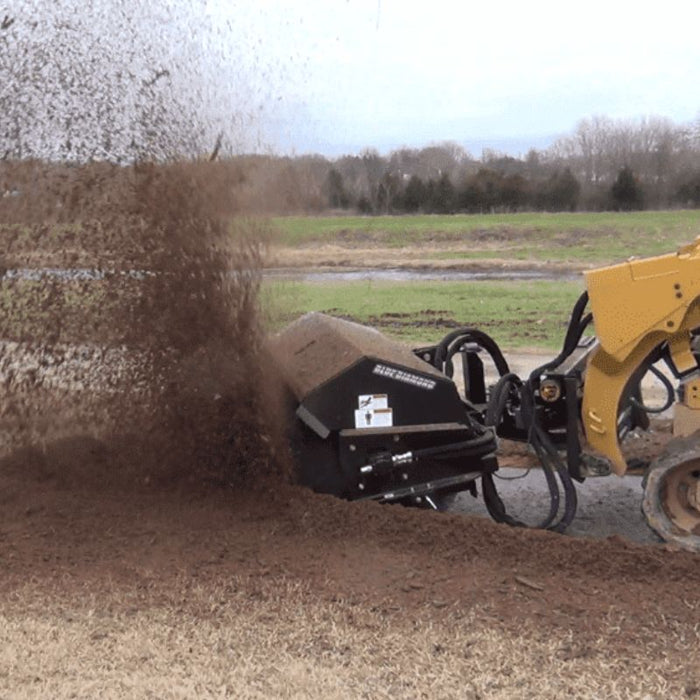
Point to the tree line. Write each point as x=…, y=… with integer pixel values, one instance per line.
x=604, y=164
x=73, y=93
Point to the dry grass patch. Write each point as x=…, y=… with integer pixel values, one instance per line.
x=262, y=638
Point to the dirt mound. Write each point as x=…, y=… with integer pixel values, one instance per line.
x=62, y=526
x=276, y=570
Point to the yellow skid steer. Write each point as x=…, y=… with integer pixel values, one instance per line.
x=374, y=420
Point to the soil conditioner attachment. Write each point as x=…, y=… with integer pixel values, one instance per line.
x=375, y=420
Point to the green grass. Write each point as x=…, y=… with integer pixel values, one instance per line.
x=575, y=237
x=517, y=314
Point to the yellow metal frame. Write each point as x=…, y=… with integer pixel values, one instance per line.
x=636, y=306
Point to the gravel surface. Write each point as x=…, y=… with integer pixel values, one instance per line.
x=607, y=505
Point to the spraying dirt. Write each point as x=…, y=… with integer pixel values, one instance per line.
x=128, y=307
x=160, y=342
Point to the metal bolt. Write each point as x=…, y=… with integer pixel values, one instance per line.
x=352, y=448
x=404, y=477
x=396, y=438
x=361, y=486
x=550, y=390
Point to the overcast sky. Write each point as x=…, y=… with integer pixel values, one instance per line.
x=342, y=75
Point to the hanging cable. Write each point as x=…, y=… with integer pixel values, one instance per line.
x=465, y=335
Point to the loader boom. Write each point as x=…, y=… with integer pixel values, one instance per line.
x=638, y=306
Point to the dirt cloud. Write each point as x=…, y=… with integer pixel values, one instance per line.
x=129, y=287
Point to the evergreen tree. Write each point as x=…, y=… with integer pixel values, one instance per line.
x=626, y=193
x=561, y=192
x=443, y=195
x=414, y=195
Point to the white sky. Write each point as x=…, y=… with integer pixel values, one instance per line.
x=347, y=74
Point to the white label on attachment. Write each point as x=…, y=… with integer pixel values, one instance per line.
x=374, y=418
x=372, y=401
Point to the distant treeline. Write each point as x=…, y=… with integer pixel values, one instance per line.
x=603, y=165
x=650, y=163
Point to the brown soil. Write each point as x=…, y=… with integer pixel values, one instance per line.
x=61, y=525
x=65, y=529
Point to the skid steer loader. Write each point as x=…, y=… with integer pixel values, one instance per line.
x=374, y=420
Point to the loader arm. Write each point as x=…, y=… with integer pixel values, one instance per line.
x=637, y=306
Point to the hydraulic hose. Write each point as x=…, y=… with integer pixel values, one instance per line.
x=499, y=398
x=494, y=414
x=456, y=449
x=463, y=335
x=670, y=393
x=552, y=463
x=550, y=458
x=577, y=325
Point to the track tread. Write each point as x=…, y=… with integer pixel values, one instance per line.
x=677, y=452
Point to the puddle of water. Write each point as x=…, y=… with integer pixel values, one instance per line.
x=310, y=275
x=408, y=275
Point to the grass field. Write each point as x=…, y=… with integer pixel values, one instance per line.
x=517, y=314
x=574, y=237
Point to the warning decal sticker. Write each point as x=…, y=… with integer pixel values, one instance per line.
x=373, y=411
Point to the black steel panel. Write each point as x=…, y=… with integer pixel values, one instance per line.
x=415, y=398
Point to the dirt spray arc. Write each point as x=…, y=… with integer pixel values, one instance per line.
x=128, y=306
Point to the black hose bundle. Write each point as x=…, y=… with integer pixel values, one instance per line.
x=452, y=342
x=552, y=464
x=511, y=388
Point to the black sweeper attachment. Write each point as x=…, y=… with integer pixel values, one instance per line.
x=372, y=420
